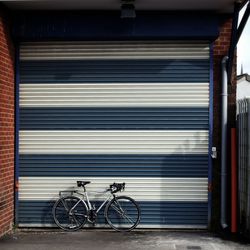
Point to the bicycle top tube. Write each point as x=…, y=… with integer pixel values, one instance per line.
x=102, y=195
x=84, y=191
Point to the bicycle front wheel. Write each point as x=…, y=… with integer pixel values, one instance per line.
x=122, y=213
x=70, y=213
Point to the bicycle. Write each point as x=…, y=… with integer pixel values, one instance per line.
x=71, y=212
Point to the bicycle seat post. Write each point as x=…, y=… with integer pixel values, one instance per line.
x=87, y=198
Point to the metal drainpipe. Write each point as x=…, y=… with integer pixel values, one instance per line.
x=224, y=102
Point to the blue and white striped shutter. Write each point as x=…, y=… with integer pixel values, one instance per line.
x=134, y=112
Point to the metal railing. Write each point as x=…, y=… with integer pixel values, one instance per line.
x=243, y=134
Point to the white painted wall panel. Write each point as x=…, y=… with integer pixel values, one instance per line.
x=113, y=50
x=111, y=142
x=115, y=95
x=141, y=189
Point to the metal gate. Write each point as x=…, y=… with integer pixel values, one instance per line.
x=116, y=111
x=243, y=134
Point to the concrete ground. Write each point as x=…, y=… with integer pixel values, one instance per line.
x=110, y=240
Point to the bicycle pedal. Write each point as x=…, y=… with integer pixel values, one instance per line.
x=72, y=227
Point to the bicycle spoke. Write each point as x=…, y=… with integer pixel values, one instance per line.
x=128, y=219
x=123, y=214
x=61, y=208
x=65, y=205
x=116, y=209
x=79, y=214
x=74, y=218
x=117, y=202
x=64, y=215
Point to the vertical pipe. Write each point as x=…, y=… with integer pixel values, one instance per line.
x=233, y=182
x=210, y=163
x=224, y=103
x=239, y=151
x=16, y=130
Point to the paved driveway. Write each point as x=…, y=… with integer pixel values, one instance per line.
x=109, y=240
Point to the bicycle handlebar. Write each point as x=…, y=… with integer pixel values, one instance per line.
x=116, y=187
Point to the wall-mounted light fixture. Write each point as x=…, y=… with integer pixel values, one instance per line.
x=128, y=9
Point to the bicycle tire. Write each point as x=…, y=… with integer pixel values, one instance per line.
x=122, y=213
x=63, y=218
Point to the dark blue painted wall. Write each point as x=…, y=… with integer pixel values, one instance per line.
x=108, y=25
x=118, y=71
x=76, y=118
x=154, y=212
x=114, y=165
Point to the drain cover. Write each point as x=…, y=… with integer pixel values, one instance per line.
x=193, y=247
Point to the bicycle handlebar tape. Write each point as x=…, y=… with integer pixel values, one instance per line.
x=115, y=187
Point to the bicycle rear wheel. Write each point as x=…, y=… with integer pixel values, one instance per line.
x=122, y=213
x=69, y=213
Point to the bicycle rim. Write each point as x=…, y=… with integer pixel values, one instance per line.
x=67, y=218
x=122, y=213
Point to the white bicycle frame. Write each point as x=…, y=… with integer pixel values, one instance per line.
x=84, y=198
x=89, y=206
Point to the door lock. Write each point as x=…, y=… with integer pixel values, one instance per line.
x=214, y=153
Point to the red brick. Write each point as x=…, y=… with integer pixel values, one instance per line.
x=7, y=100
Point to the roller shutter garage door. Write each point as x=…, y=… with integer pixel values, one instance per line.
x=115, y=111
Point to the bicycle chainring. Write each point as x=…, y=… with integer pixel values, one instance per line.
x=92, y=216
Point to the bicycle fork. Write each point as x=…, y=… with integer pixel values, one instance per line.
x=121, y=212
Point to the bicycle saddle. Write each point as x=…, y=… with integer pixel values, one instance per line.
x=82, y=183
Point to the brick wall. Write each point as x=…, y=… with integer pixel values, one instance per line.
x=6, y=125
x=221, y=46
